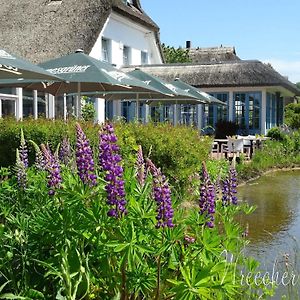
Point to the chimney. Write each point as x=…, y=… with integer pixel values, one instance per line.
x=188, y=44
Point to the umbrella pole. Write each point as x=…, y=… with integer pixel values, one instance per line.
x=35, y=104
x=78, y=108
x=137, y=107
x=65, y=106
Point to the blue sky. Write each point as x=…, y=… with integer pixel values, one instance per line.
x=267, y=30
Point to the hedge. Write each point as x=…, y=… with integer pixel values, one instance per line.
x=178, y=150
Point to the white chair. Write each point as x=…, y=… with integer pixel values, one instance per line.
x=232, y=147
x=248, y=145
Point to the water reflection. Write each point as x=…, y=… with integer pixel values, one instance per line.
x=274, y=228
x=277, y=197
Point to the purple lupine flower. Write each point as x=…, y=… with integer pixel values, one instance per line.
x=207, y=198
x=110, y=159
x=21, y=171
x=52, y=167
x=229, y=188
x=189, y=239
x=65, y=152
x=162, y=196
x=140, y=166
x=84, y=158
x=23, y=150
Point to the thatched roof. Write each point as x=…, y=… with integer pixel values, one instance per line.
x=212, y=54
x=43, y=29
x=134, y=12
x=242, y=73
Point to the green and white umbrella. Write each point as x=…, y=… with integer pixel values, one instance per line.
x=172, y=93
x=13, y=67
x=87, y=74
x=84, y=74
x=208, y=99
x=157, y=90
x=169, y=93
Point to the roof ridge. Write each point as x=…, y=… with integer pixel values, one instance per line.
x=198, y=64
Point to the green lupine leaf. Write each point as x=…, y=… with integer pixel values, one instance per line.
x=3, y=285
x=10, y=296
x=121, y=247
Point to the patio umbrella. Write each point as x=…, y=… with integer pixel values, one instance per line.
x=167, y=91
x=13, y=67
x=197, y=93
x=90, y=75
x=172, y=93
x=85, y=74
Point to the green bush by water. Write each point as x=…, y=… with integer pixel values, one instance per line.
x=283, y=151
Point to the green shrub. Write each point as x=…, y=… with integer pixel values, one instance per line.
x=88, y=112
x=276, y=134
x=281, y=153
x=292, y=115
x=40, y=131
x=178, y=151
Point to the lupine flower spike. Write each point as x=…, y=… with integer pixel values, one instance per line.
x=229, y=188
x=162, y=196
x=140, y=166
x=52, y=167
x=110, y=163
x=21, y=171
x=207, y=198
x=23, y=150
x=65, y=152
x=84, y=158
x=39, y=157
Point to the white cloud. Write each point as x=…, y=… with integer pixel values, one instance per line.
x=291, y=69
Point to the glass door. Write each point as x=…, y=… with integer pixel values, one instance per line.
x=247, y=112
x=7, y=106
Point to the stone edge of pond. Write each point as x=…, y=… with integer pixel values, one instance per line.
x=242, y=182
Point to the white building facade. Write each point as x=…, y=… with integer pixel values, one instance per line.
x=126, y=36
x=123, y=42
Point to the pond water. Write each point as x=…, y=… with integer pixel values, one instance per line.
x=274, y=228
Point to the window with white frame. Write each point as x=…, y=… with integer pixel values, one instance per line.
x=126, y=56
x=144, y=58
x=106, y=50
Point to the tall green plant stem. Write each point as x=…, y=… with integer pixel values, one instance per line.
x=123, y=286
x=158, y=278
x=157, y=296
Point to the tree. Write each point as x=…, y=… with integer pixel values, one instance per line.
x=292, y=115
x=173, y=55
